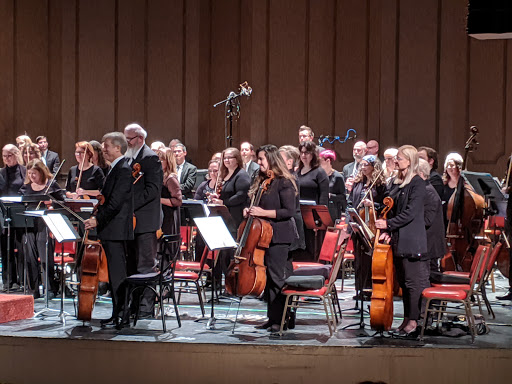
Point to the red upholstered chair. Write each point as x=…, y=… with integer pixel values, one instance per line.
x=327, y=252
x=444, y=299
x=348, y=259
x=295, y=296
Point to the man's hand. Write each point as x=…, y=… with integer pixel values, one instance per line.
x=91, y=223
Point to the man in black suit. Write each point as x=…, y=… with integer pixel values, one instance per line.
x=350, y=170
x=248, y=157
x=50, y=158
x=114, y=220
x=147, y=208
x=187, y=172
x=429, y=154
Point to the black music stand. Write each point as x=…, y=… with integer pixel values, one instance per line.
x=217, y=237
x=189, y=210
x=485, y=185
x=317, y=218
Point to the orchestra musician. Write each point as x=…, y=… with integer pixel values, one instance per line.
x=171, y=197
x=406, y=226
x=435, y=179
x=98, y=159
x=433, y=219
x=389, y=164
x=451, y=176
x=207, y=187
x=114, y=221
x=313, y=185
x=91, y=177
x=248, y=158
x=350, y=170
x=337, y=198
x=22, y=140
x=50, y=158
x=13, y=174
x=508, y=231
x=305, y=134
x=277, y=205
x=234, y=195
x=30, y=151
x=370, y=175
x=147, y=208
x=35, y=239
x=187, y=172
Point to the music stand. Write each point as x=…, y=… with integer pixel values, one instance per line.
x=317, y=218
x=189, y=210
x=485, y=185
x=217, y=237
x=64, y=232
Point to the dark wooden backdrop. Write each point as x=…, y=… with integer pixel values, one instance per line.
x=401, y=72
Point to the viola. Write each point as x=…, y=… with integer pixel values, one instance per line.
x=136, y=172
x=381, y=306
x=247, y=273
x=93, y=269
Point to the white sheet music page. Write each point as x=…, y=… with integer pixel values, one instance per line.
x=215, y=233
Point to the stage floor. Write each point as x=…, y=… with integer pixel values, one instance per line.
x=311, y=327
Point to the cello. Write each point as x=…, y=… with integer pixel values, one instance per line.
x=381, y=306
x=247, y=273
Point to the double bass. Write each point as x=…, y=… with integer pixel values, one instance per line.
x=247, y=273
x=381, y=306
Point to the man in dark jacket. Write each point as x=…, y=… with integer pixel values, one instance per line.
x=50, y=158
x=114, y=220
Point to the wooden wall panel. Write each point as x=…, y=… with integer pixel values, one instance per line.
x=351, y=71
x=165, y=70
x=7, y=124
x=31, y=74
x=287, y=73
x=96, y=68
x=394, y=70
x=417, y=72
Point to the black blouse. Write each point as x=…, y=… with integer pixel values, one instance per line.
x=314, y=185
x=337, y=199
x=92, y=178
x=14, y=177
x=234, y=194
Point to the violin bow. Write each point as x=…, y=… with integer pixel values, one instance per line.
x=51, y=182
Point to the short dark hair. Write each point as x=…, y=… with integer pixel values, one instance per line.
x=431, y=154
x=40, y=138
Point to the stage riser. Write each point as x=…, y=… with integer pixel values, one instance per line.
x=30, y=360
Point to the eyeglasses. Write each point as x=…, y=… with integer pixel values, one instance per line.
x=8, y=156
x=129, y=139
x=79, y=153
x=229, y=157
x=304, y=153
x=213, y=171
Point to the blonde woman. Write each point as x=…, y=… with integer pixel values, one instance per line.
x=406, y=226
x=170, y=197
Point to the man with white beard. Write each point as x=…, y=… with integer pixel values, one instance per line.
x=350, y=170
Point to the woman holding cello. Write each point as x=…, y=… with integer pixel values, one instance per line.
x=85, y=178
x=367, y=194
x=406, y=228
x=277, y=205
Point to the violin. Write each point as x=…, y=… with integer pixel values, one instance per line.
x=247, y=273
x=136, y=172
x=93, y=269
x=381, y=306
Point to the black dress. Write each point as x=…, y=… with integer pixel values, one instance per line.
x=34, y=245
x=337, y=198
x=279, y=197
x=92, y=178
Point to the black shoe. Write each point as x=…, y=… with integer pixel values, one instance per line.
x=275, y=328
x=508, y=296
x=412, y=335
x=291, y=320
x=120, y=324
x=265, y=325
x=109, y=321
x=146, y=316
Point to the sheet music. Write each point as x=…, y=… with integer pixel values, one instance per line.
x=61, y=229
x=307, y=202
x=215, y=233
x=11, y=199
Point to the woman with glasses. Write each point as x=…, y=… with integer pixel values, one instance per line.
x=368, y=192
x=30, y=151
x=389, y=164
x=234, y=195
x=13, y=175
x=207, y=187
x=337, y=198
x=451, y=176
x=171, y=197
x=91, y=177
x=406, y=230
x=313, y=186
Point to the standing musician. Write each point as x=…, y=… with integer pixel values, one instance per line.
x=13, y=174
x=433, y=219
x=451, y=176
x=277, y=205
x=234, y=195
x=147, y=208
x=50, y=158
x=508, y=229
x=337, y=198
x=187, y=172
x=85, y=178
x=435, y=179
x=37, y=183
x=30, y=151
x=408, y=237
x=370, y=175
x=114, y=220
x=389, y=164
x=171, y=193
x=313, y=185
x=207, y=187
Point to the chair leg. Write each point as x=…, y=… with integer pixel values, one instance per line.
x=470, y=319
x=327, y=315
x=162, y=309
x=200, y=297
x=427, y=310
x=486, y=301
x=285, y=311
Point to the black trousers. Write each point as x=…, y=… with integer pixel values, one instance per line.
x=142, y=258
x=15, y=243
x=413, y=278
x=116, y=261
x=362, y=265
x=279, y=267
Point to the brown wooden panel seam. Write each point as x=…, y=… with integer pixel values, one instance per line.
x=77, y=67
x=438, y=73
x=184, y=68
x=116, y=66
x=334, y=72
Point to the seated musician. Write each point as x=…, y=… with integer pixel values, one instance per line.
x=37, y=183
x=369, y=177
x=277, y=205
x=406, y=226
x=90, y=176
x=114, y=221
